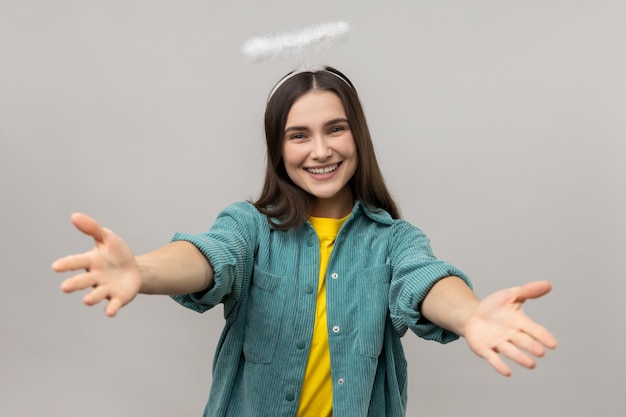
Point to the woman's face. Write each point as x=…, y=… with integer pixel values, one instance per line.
x=319, y=152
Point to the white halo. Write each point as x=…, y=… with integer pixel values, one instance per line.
x=297, y=46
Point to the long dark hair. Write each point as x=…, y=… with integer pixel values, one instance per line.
x=284, y=203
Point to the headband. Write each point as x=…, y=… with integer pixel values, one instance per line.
x=294, y=73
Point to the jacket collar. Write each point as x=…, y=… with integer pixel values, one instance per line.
x=377, y=215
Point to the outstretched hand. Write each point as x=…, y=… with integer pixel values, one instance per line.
x=109, y=268
x=500, y=326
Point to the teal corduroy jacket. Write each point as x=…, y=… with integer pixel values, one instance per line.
x=379, y=272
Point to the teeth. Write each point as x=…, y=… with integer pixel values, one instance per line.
x=323, y=170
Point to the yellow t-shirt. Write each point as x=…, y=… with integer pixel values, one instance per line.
x=316, y=399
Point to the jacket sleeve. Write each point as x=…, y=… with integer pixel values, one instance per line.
x=414, y=271
x=229, y=246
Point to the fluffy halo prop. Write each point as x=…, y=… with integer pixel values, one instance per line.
x=299, y=46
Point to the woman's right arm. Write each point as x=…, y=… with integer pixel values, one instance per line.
x=115, y=274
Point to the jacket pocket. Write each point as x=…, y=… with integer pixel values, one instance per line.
x=263, y=317
x=373, y=309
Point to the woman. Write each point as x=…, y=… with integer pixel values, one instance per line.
x=319, y=277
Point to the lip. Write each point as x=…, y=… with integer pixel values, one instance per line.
x=321, y=176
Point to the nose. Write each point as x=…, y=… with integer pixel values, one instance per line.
x=320, y=149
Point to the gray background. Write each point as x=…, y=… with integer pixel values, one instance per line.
x=499, y=126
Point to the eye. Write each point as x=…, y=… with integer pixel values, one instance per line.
x=297, y=136
x=337, y=129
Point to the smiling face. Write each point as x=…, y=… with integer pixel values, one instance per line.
x=319, y=152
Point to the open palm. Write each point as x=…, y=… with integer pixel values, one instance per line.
x=499, y=326
x=109, y=268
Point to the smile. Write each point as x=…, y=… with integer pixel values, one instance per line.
x=324, y=170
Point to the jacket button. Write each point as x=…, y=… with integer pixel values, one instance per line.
x=309, y=289
x=300, y=344
x=290, y=396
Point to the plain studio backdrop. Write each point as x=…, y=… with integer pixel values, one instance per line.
x=500, y=128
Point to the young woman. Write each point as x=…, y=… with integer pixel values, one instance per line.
x=319, y=277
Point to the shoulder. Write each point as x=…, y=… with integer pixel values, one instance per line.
x=242, y=211
x=241, y=218
x=241, y=207
x=384, y=219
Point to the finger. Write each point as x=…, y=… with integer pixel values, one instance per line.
x=539, y=333
x=534, y=289
x=79, y=282
x=95, y=296
x=496, y=362
x=528, y=343
x=72, y=262
x=88, y=225
x=512, y=352
x=113, y=307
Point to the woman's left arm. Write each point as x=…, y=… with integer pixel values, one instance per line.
x=496, y=325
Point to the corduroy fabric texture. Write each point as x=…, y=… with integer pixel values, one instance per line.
x=379, y=272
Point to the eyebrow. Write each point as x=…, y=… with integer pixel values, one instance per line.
x=328, y=123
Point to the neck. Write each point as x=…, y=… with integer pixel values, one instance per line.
x=335, y=207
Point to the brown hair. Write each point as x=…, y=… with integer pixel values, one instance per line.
x=284, y=203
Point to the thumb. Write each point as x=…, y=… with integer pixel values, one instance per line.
x=534, y=289
x=89, y=226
